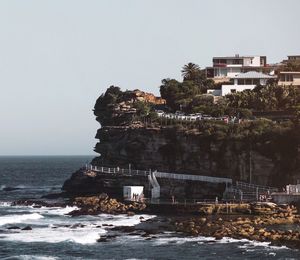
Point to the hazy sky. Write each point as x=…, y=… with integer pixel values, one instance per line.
x=58, y=56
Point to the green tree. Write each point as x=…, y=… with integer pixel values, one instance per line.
x=190, y=71
x=142, y=108
x=178, y=95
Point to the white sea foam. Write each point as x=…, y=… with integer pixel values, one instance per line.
x=246, y=244
x=10, y=219
x=64, y=229
x=182, y=240
x=253, y=244
x=122, y=220
x=5, y=203
x=226, y=240
x=56, y=210
x=249, y=244
x=86, y=235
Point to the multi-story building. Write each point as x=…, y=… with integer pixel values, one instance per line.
x=292, y=58
x=227, y=67
x=286, y=78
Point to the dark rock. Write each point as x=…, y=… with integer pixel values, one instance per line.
x=125, y=229
x=27, y=228
x=102, y=239
x=14, y=227
x=10, y=188
x=106, y=238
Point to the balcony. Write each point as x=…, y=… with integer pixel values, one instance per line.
x=217, y=64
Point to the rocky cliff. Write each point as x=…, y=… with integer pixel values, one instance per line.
x=267, y=160
x=260, y=151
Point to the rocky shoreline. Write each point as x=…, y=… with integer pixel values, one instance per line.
x=102, y=203
x=266, y=222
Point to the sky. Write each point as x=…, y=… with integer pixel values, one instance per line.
x=58, y=56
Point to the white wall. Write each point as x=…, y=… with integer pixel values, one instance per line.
x=226, y=89
x=128, y=191
x=255, y=61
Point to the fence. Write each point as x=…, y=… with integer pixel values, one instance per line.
x=176, y=176
x=260, y=188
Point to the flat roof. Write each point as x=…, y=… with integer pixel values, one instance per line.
x=244, y=67
x=289, y=72
x=237, y=57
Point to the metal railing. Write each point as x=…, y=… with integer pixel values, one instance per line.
x=182, y=201
x=244, y=185
x=248, y=192
x=145, y=173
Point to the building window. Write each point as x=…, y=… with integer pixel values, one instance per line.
x=241, y=82
x=248, y=82
x=256, y=82
x=287, y=77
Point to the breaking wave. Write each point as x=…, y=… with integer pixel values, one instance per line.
x=5, y=203
x=10, y=219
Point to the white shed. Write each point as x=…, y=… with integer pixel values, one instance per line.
x=133, y=192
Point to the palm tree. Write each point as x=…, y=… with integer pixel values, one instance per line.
x=190, y=71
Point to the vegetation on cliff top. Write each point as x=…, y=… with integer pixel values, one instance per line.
x=189, y=96
x=277, y=142
x=116, y=107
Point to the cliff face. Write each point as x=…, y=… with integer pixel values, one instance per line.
x=260, y=151
x=267, y=161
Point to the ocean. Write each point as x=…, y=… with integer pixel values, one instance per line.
x=55, y=235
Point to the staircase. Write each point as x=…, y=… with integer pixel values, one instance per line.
x=155, y=191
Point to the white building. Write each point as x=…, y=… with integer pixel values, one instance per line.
x=290, y=189
x=133, y=192
x=244, y=81
x=241, y=82
x=227, y=67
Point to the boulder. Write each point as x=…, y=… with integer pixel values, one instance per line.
x=14, y=227
x=27, y=228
